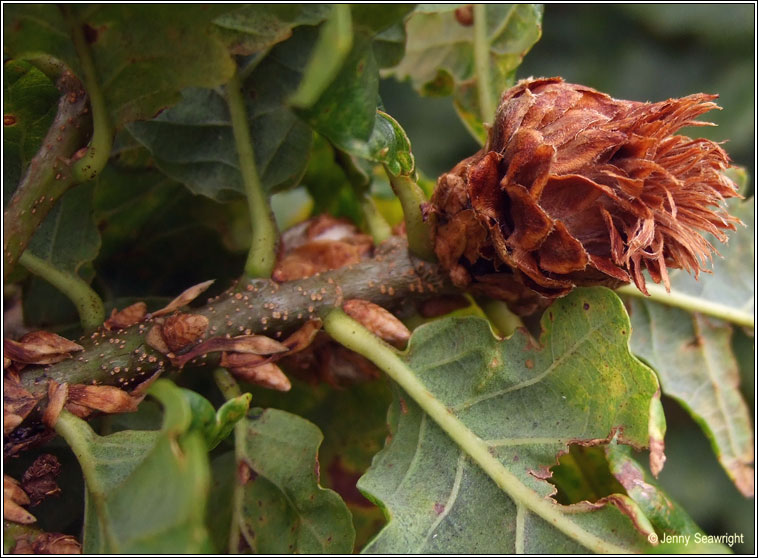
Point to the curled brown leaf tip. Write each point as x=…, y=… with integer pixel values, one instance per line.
x=377, y=320
x=575, y=188
x=127, y=317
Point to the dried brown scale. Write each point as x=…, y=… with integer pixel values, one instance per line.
x=361, y=280
x=576, y=188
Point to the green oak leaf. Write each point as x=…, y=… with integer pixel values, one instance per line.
x=144, y=54
x=193, y=142
x=68, y=239
x=30, y=101
x=253, y=28
x=35, y=31
x=146, y=490
x=440, y=54
x=696, y=366
x=693, y=354
x=353, y=421
x=279, y=505
x=469, y=474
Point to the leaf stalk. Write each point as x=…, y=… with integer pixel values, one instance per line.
x=262, y=255
x=87, y=302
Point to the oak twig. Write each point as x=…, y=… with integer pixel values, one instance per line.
x=256, y=306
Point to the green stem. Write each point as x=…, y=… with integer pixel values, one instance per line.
x=355, y=337
x=99, y=149
x=262, y=255
x=482, y=63
x=411, y=197
x=691, y=304
x=230, y=389
x=501, y=316
x=226, y=384
x=78, y=435
x=88, y=304
x=377, y=225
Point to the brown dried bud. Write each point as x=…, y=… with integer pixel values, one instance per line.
x=182, y=330
x=17, y=404
x=377, y=320
x=268, y=375
x=576, y=188
x=250, y=344
x=108, y=399
x=47, y=543
x=303, y=337
x=13, y=498
x=57, y=395
x=39, y=347
x=318, y=245
x=127, y=317
x=154, y=338
x=39, y=479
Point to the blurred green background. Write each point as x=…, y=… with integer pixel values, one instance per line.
x=647, y=52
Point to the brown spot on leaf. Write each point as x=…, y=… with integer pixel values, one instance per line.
x=465, y=15
x=9, y=119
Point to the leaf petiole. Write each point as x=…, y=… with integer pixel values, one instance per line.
x=99, y=149
x=262, y=255
x=691, y=304
x=87, y=302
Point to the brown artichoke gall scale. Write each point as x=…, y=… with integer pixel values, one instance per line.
x=575, y=188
